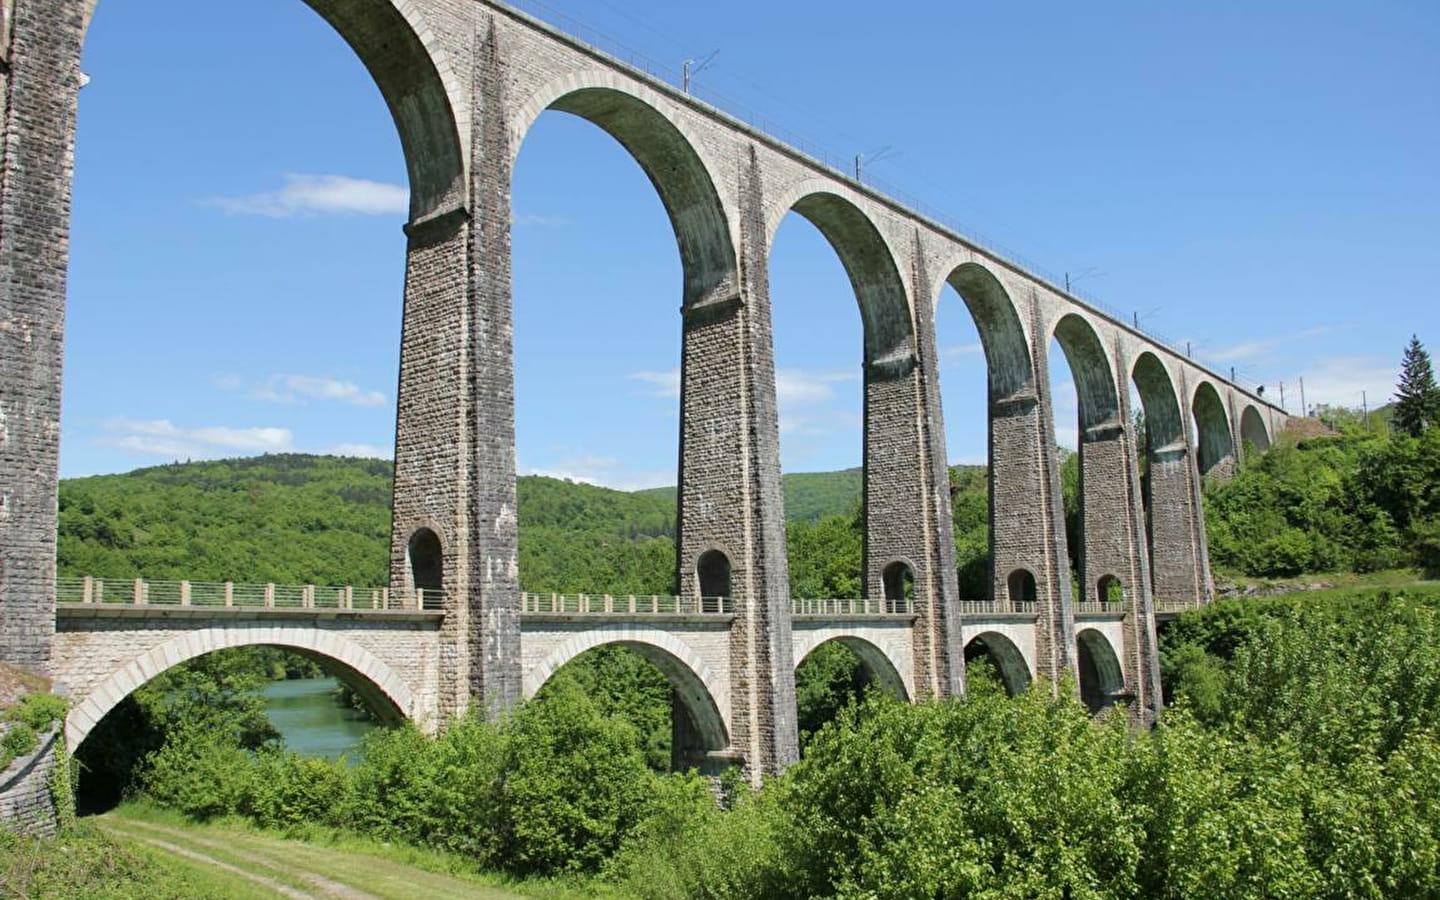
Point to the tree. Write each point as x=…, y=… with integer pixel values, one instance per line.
x=1417, y=398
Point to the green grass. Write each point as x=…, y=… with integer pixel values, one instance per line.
x=320, y=860
x=87, y=864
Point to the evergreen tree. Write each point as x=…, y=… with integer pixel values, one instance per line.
x=1417, y=399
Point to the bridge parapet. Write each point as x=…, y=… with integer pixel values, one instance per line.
x=851, y=607
x=1024, y=609
x=141, y=592
x=624, y=604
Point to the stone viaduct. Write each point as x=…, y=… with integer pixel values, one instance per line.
x=464, y=80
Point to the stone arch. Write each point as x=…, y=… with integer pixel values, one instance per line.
x=898, y=579
x=414, y=75
x=695, y=684
x=1109, y=589
x=1101, y=678
x=1215, y=448
x=869, y=263
x=1253, y=432
x=712, y=574
x=1163, y=422
x=1008, y=660
x=425, y=561
x=633, y=116
x=1094, y=378
x=371, y=677
x=1002, y=334
x=1021, y=586
x=880, y=664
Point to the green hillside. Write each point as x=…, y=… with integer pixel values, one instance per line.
x=301, y=519
x=809, y=496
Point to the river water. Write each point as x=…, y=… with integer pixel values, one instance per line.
x=313, y=724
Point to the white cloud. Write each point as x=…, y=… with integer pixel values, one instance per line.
x=603, y=471
x=289, y=389
x=537, y=220
x=660, y=384
x=161, y=437
x=1339, y=381
x=802, y=387
x=960, y=352
x=320, y=195
x=1254, y=348
x=362, y=451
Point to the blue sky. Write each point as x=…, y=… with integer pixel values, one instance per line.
x=1258, y=179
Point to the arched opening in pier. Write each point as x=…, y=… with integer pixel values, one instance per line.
x=824, y=258
x=1109, y=589
x=992, y=658
x=1254, y=436
x=1021, y=587
x=987, y=387
x=1090, y=441
x=1213, y=443
x=712, y=572
x=1163, y=455
x=427, y=568
x=236, y=237
x=836, y=673
x=1101, y=678
x=666, y=698
x=899, y=582
x=225, y=702
x=615, y=225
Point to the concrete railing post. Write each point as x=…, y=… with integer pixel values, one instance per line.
x=184, y=593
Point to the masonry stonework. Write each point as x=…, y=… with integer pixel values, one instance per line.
x=464, y=80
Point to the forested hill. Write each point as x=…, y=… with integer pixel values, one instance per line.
x=809, y=496
x=296, y=518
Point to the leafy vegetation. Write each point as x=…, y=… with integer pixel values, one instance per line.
x=1417, y=397
x=1354, y=502
x=1317, y=774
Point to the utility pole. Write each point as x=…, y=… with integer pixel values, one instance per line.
x=689, y=69
x=1365, y=410
x=1304, y=410
x=861, y=159
x=1282, y=396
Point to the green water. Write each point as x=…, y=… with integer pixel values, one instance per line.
x=313, y=724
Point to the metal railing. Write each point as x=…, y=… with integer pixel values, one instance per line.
x=1174, y=606
x=851, y=606
x=230, y=594
x=1101, y=607
x=998, y=607
x=624, y=604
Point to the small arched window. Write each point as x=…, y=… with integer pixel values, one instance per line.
x=1109, y=590
x=1022, y=587
x=899, y=581
x=713, y=571
x=427, y=568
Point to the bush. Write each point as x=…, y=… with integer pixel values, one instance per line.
x=200, y=772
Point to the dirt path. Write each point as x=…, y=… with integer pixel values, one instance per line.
x=296, y=870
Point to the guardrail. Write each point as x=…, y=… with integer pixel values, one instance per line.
x=1101, y=607
x=222, y=594
x=624, y=604
x=998, y=607
x=847, y=606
